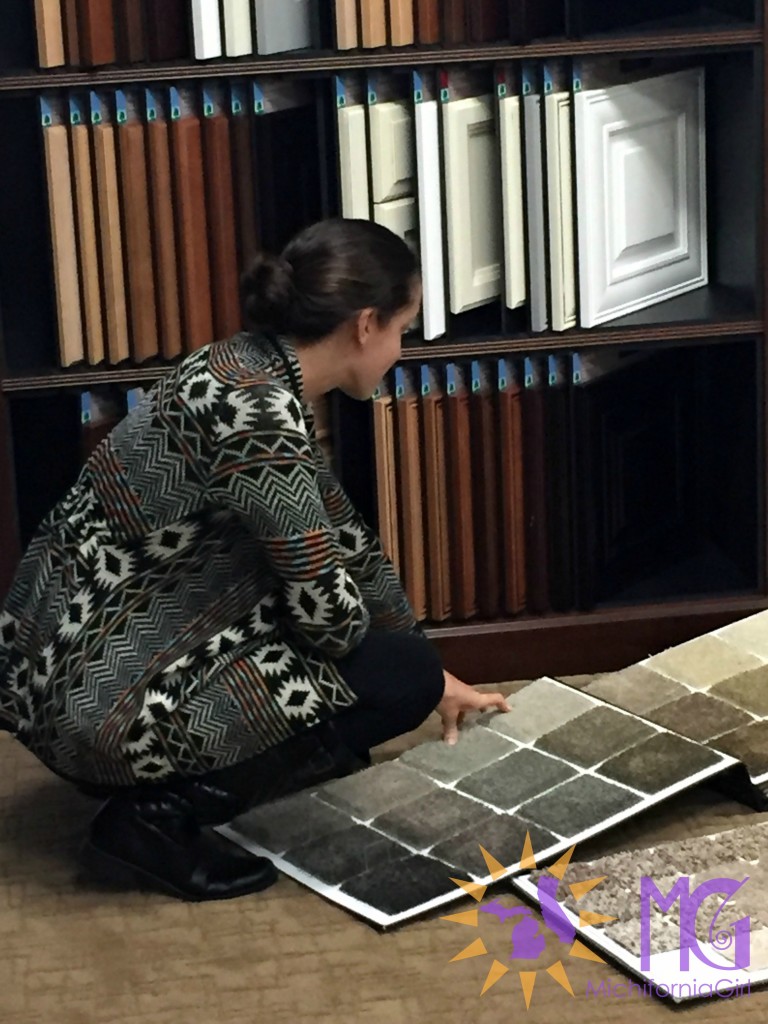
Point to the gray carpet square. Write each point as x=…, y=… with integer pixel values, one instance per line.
x=376, y=790
x=538, y=708
x=516, y=778
x=502, y=835
x=424, y=822
x=296, y=819
x=402, y=885
x=578, y=805
x=591, y=738
x=343, y=855
x=700, y=716
x=475, y=749
x=659, y=762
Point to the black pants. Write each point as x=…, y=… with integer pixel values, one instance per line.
x=398, y=679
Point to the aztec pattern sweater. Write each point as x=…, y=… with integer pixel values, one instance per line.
x=183, y=607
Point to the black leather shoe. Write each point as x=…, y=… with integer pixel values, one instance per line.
x=151, y=838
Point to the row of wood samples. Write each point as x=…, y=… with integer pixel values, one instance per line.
x=90, y=33
x=448, y=445
x=158, y=199
x=437, y=157
x=376, y=23
x=552, y=483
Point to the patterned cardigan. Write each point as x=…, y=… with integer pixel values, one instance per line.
x=183, y=607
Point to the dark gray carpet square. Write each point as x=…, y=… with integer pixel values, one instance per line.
x=516, y=778
x=661, y=761
x=289, y=822
x=591, y=738
x=371, y=792
x=402, y=885
x=345, y=854
x=502, y=835
x=578, y=805
x=475, y=749
x=699, y=716
x=430, y=819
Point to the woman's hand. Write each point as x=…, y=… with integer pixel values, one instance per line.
x=459, y=698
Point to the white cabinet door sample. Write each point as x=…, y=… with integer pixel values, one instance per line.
x=206, y=29
x=237, y=28
x=562, y=269
x=431, y=218
x=401, y=217
x=392, y=151
x=512, y=188
x=353, y=160
x=473, y=198
x=640, y=168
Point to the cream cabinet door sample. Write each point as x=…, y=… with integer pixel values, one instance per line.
x=512, y=188
x=401, y=217
x=392, y=151
x=283, y=25
x=473, y=199
x=641, y=193
x=353, y=163
x=562, y=270
x=237, y=28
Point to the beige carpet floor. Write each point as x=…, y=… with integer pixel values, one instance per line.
x=74, y=953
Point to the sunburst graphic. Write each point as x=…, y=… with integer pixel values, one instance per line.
x=526, y=932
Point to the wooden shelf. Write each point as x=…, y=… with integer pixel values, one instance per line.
x=578, y=642
x=85, y=377
x=697, y=39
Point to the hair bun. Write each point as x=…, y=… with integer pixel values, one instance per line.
x=268, y=292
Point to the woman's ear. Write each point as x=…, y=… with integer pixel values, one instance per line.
x=365, y=324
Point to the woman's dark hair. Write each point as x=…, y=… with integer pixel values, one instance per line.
x=325, y=275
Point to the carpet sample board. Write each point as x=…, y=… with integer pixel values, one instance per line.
x=729, y=927
x=387, y=843
x=713, y=689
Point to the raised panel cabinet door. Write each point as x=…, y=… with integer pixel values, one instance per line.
x=473, y=199
x=392, y=151
x=537, y=241
x=641, y=193
x=206, y=29
x=431, y=236
x=562, y=266
x=283, y=25
x=353, y=163
x=347, y=37
x=238, y=40
x=513, y=201
x=90, y=277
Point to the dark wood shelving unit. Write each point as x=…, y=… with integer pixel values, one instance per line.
x=481, y=651
x=698, y=39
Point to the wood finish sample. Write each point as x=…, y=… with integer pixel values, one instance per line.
x=71, y=31
x=138, y=241
x=90, y=277
x=187, y=151
x=166, y=264
x=455, y=21
x=463, y=596
x=243, y=164
x=401, y=28
x=428, y=19
x=486, y=503
x=386, y=478
x=346, y=25
x=434, y=469
x=168, y=35
x=50, y=33
x=111, y=249
x=96, y=20
x=221, y=222
x=64, y=244
x=411, y=504
x=373, y=19
x=132, y=40
x=488, y=21
x=510, y=427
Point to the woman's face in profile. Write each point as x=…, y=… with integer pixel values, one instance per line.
x=382, y=350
